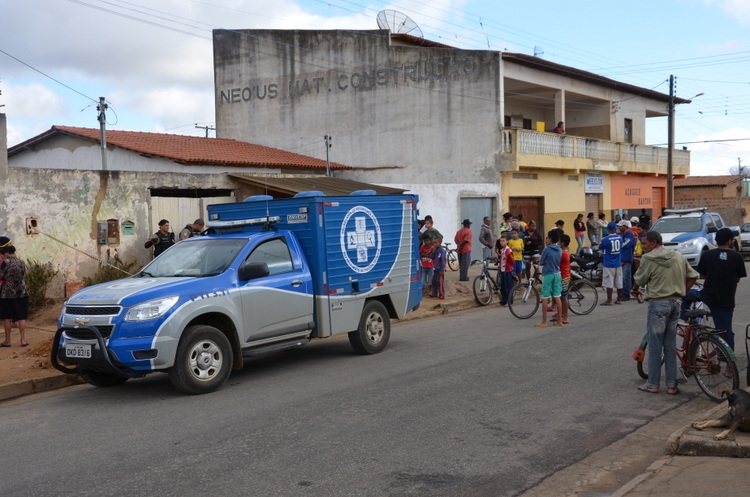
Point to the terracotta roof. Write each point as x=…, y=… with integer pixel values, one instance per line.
x=325, y=184
x=190, y=150
x=691, y=181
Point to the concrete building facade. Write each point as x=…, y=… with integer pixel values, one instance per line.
x=467, y=130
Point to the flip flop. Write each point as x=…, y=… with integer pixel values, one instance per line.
x=673, y=391
x=559, y=325
x=540, y=325
x=606, y=303
x=24, y=344
x=644, y=388
x=3, y=344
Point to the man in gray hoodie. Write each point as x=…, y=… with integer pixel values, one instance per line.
x=486, y=238
x=668, y=276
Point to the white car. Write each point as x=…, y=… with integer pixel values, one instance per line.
x=745, y=235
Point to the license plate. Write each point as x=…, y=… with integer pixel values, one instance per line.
x=80, y=351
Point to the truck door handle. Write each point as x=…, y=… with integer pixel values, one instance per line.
x=296, y=283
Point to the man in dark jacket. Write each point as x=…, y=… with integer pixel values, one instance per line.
x=191, y=230
x=161, y=240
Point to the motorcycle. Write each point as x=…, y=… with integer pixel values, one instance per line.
x=588, y=264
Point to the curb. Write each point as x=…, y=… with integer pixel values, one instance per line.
x=687, y=441
x=38, y=385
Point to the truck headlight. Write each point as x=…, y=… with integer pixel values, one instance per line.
x=690, y=244
x=151, y=309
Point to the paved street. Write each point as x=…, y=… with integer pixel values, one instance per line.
x=473, y=403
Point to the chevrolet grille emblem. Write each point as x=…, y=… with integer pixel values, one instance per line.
x=82, y=320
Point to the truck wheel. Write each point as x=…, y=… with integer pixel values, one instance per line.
x=203, y=360
x=102, y=379
x=374, y=329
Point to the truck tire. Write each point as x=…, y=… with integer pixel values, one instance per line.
x=374, y=329
x=102, y=380
x=203, y=361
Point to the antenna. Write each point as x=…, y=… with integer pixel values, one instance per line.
x=538, y=51
x=398, y=22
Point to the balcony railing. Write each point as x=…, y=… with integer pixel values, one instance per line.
x=591, y=153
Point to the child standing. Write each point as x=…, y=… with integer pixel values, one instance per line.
x=504, y=269
x=564, y=278
x=516, y=245
x=425, y=253
x=439, y=261
x=551, y=284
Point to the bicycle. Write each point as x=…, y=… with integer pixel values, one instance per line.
x=582, y=295
x=451, y=257
x=524, y=298
x=485, y=286
x=701, y=355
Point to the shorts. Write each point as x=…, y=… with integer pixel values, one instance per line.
x=565, y=283
x=551, y=285
x=518, y=266
x=612, y=277
x=14, y=309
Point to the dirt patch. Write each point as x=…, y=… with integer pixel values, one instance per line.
x=23, y=363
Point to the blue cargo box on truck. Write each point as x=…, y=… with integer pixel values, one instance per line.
x=359, y=247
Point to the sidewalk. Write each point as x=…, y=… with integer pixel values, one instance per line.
x=694, y=463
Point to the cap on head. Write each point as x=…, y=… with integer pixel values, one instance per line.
x=466, y=222
x=634, y=220
x=4, y=241
x=625, y=223
x=611, y=226
x=723, y=236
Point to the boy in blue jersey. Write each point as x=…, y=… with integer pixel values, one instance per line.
x=610, y=248
x=551, y=284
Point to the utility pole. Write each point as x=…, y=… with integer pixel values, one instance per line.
x=207, y=128
x=670, y=144
x=102, y=108
x=328, y=139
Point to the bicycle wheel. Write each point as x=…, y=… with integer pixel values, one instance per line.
x=582, y=297
x=523, y=300
x=713, y=365
x=483, y=289
x=452, y=260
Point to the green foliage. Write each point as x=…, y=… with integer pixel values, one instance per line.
x=115, y=269
x=38, y=277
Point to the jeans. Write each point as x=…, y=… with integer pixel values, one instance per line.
x=579, y=240
x=627, y=279
x=723, y=321
x=505, y=280
x=427, y=276
x=486, y=252
x=661, y=327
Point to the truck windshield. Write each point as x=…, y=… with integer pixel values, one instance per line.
x=199, y=258
x=677, y=225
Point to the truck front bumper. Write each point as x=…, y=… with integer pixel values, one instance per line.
x=71, y=356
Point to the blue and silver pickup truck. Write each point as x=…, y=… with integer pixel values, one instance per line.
x=691, y=231
x=272, y=275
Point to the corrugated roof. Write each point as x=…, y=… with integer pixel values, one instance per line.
x=325, y=184
x=190, y=150
x=692, y=181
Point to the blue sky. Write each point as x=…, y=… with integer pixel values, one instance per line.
x=153, y=60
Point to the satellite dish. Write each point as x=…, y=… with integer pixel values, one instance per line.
x=399, y=23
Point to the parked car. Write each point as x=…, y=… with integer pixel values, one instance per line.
x=745, y=235
x=692, y=231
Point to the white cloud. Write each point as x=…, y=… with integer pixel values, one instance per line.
x=736, y=9
x=719, y=152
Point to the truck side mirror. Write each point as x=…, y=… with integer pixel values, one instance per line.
x=253, y=270
x=711, y=229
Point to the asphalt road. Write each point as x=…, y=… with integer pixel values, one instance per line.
x=476, y=403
